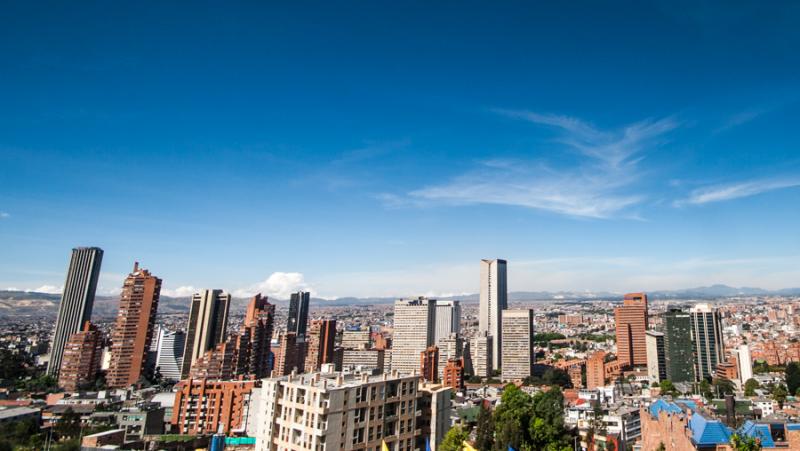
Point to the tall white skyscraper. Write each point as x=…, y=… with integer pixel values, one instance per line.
x=414, y=331
x=745, y=363
x=448, y=319
x=170, y=353
x=709, y=349
x=493, y=300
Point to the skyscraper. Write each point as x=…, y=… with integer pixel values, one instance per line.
x=133, y=329
x=631, y=325
x=656, y=359
x=707, y=338
x=170, y=353
x=254, y=340
x=744, y=363
x=77, y=301
x=321, y=338
x=448, y=319
x=81, y=361
x=678, y=350
x=414, y=331
x=208, y=321
x=493, y=300
x=517, y=353
x=298, y=314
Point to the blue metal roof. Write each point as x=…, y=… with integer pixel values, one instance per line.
x=793, y=427
x=759, y=431
x=660, y=404
x=708, y=432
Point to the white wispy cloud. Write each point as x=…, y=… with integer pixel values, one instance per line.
x=180, y=292
x=4, y=215
x=720, y=193
x=50, y=289
x=598, y=186
x=279, y=285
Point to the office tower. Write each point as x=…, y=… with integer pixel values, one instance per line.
x=77, y=301
x=133, y=329
x=351, y=411
x=493, y=300
x=448, y=318
x=208, y=321
x=253, y=347
x=596, y=370
x=429, y=364
x=356, y=339
x=453, y=374
x=678, y=349
x=321, y=338
x=81, y=359
x=517, y=353
x=450, y=347
x=298, y=313
x=170, y=353
x=631, y=324
x=744, y=363
x=414, y=331
x=209, y=407
x=656, y=359
x=368, y=360
x=482, y=355
x=291, y=354
x=707, y=338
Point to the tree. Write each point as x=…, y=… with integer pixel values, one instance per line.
x=792, y=377
x=744, y=443
x=661, y=447
x=750, y=387
x=454, y=439
x=484, y=430
x=69, y=425
x=668, y=388
x=704, y=388
x=779, y=394
x=512, y=417
x=723, y=387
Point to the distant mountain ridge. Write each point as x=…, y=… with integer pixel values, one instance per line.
x=29, y=303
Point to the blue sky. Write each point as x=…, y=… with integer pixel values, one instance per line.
x=374, y=148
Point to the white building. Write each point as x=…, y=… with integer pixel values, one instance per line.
x=448, y=319
x=745, y=363
x=170, y=353
x=481, y=349
x=493, y=300
x=518, y=352
x=656, y=357
x=338, y=411
x=450, y=347
x=414, y=331
x=356, y=339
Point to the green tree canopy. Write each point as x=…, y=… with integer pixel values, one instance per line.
x=793, y=377
x=744, y=443
x=454, y=439
x=750, y=387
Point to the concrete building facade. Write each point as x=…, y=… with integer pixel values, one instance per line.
x=414, y=331
x=518, y=352
x=493, y=300
x=77, y=300
x=208, y=322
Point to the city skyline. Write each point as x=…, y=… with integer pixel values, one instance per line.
x=598, y=162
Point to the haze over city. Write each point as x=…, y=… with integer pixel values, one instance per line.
x=282, y=148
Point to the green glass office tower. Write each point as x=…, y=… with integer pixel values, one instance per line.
x=678, y=349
